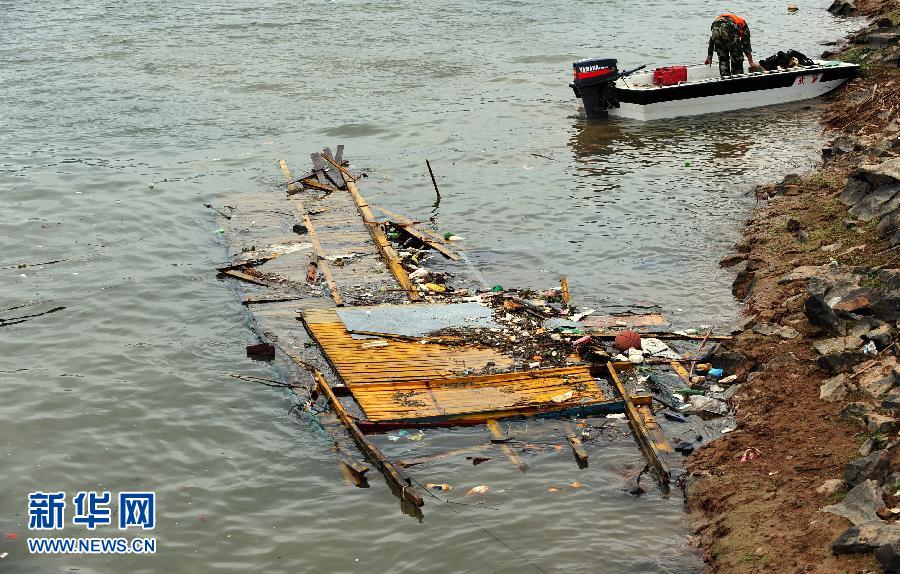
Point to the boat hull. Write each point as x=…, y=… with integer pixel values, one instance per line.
x=717, y=95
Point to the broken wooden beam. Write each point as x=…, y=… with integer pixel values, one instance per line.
x=407, y=462
x=311, y=183
x=242, y=263
x=648, y=443
x=564, y=290
x=681, y=372
x=388, y=253
x=323, y=262
x=581, y=455
x=244, y=277
x=247, y=301
x=262, y=351
x=338, y=177
x=409, y=227
x=345, y=174
x=494, y=429
x=395, y=476
x=291, y=184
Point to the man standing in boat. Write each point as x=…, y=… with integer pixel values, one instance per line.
x=730, y=39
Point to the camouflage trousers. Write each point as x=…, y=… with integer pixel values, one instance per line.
x=731, y=61
x=727, y=42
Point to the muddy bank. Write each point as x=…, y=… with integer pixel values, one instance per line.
x=817, y=269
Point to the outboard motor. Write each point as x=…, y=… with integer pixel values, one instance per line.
x=595, y=80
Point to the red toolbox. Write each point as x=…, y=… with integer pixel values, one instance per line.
x=670, y=75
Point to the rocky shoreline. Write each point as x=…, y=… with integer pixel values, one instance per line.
x=818, y=356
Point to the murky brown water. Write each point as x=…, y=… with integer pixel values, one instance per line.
x=128, y=386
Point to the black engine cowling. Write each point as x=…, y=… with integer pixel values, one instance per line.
x=594, y=83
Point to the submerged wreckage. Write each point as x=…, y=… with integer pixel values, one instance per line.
x=390, y=344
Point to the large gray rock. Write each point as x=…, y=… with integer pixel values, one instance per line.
x=876, y=466
x=842, y=8
x=836, y=345
x=889, y=278
x=873, y=190
x=891, y=401
x=879, y=378
x=866, y=537
x=860, y=504
x=834, y=389
x=856, y=411
x=889, y=225
x=771, y=329
x=887, y=307
x=822, y=315
x=882, y=424
x=840, y=362
x=888, y=555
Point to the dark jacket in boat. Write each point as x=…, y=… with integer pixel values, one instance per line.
x=786, y=60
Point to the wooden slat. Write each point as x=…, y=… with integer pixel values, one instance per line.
x=319, y=167
x=399, y=361
x=494, y=429
x=647, y=442
x=337, y=176
x=408, y=226
x=314, y=238
x=581, y=455
x=291, y=186
x=384, y=247
x=323, y=263
x=244, y=277
x=394, y=476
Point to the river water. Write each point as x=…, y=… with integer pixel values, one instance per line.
x=121, y=120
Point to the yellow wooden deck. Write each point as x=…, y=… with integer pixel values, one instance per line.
x=409, y=380
x=399, y=361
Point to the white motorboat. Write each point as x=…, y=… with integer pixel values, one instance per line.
x=605, y=91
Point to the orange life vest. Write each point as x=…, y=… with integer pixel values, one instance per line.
x=740, y=22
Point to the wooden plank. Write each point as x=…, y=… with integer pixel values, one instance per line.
x=344, y=172
x=681, y=372
x=409, y=226
x=314, y=184
x=322, y=169
x=301, y=210
x=319, y=167
x=642, y=434
x=581, y=455
x=340, y=154
x=494, y=429
x=405, y=220
x=408, y=462
x=337, y=176
x=291, y=186
x=393, y=474
x=244, y=277
x=323, y=263
x=263, y=300
x=662, y=335
x=384, y=247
